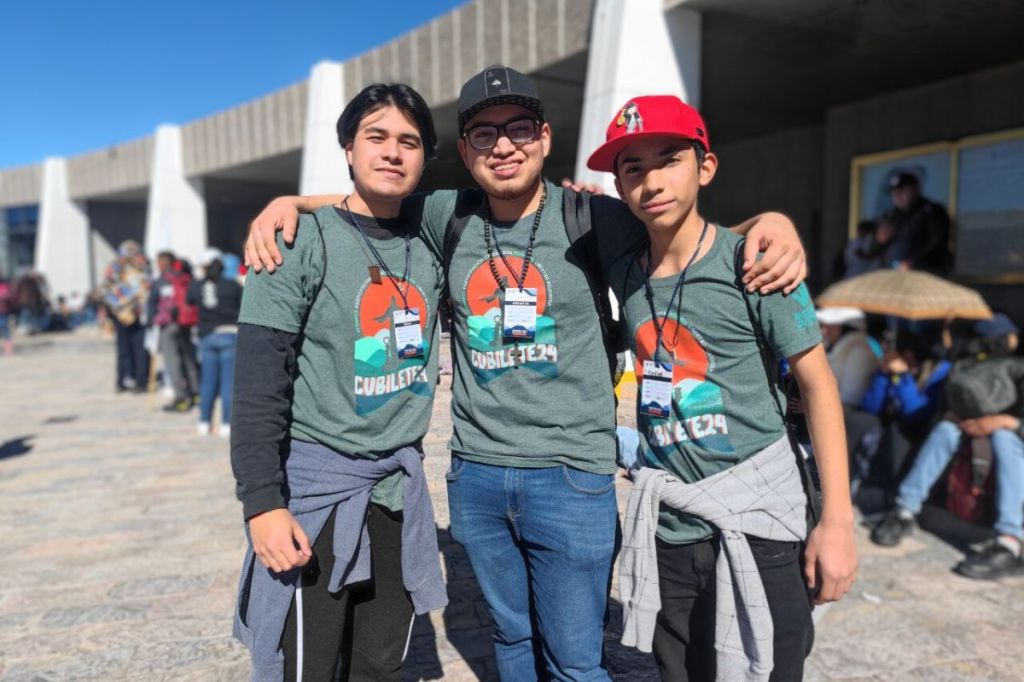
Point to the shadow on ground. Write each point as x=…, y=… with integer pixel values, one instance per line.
x=15, y=447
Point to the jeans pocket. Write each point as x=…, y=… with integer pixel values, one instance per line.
x=773, y=553
x=455, y=469
x=586, y=482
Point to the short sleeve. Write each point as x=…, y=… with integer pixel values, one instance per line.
x=280, y=299
x=431, y=211
x=789, y=322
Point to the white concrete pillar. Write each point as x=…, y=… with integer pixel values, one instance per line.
x=176, y=212
x=636, y=48
x=62, y=241
x=324, y=169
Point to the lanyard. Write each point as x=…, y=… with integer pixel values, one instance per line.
x=659, y=323
x=521, y=278
x=396, y=281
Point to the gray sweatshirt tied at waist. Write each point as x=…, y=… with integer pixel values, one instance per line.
x=321, y=480
x=762, y=496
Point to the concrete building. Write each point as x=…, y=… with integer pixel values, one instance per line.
x=810, y=104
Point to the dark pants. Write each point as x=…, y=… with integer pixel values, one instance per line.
x=364, y=628
x=884, y=449
x=132, y=358
x=180, y=364
x=684, y=637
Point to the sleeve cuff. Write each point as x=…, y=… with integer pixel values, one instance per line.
x=262, y=500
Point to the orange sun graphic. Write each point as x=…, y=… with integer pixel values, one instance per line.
x=691, y=362
x=481, y=289
x=380, y=300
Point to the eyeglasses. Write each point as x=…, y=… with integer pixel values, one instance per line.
x=518, y=131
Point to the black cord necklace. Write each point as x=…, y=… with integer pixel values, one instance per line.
x=659, y=323
x=521, y=278
x=381, y=265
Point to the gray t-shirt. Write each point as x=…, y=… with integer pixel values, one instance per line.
x=537, y=403
x=722, y=409
x=354, y=391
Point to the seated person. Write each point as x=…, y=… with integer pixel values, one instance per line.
x=849, y=352
x=897, y=409
x=1004, y=429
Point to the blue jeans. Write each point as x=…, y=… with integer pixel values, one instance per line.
x=542, y=543
x=936, y=453
x=217, y=354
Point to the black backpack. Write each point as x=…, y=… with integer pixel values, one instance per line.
x=582, y=243
x=981, y=387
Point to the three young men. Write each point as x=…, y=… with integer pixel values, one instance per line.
x=531, y=487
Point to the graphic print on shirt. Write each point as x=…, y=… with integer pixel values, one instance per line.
x=379, y=373
x=697, y=413
x=490, y=355
x=806, y=317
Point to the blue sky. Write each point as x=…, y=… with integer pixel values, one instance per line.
x=77, y=75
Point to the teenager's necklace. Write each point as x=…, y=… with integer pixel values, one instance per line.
x=375, y=270
x=659, y=322
x=521, y=278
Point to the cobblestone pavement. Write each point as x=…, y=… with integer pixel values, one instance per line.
x=123, y=541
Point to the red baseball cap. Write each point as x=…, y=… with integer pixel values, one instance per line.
x=648, y=116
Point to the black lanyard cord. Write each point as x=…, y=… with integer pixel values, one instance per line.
x=396, y=281
x=659, y=322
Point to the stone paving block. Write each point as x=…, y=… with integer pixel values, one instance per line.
x=160, y=586
x=970, y=670
x=198, y=654
x=102, y=665
x=101, y=613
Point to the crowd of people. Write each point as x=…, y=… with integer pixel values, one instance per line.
x=935, y=414
x=187, y=319
x=933, y=409
x=26, y=305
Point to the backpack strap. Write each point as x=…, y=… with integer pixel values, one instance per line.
x=467, y=204
x=578, y=221
x=771, y=370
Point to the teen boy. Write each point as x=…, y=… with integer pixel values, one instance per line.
x=721, y=465
x=337, y=363
x=531, y=488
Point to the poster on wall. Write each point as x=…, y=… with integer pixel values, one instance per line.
x=932, y=169
x=990, y=209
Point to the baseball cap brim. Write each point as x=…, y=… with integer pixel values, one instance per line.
x=603, y=158
x=531, y=103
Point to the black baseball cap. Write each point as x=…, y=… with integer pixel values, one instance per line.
x=904, y=180
x=497, y=85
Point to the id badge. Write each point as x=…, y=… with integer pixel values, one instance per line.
x=408, y=335
x=519, y=314
x=656, y=390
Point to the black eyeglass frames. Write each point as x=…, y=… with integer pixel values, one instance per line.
x=518, y=131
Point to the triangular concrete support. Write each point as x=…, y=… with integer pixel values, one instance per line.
x=176, y=213
x=62, y=242
x=324, y=169
x=636, y=48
